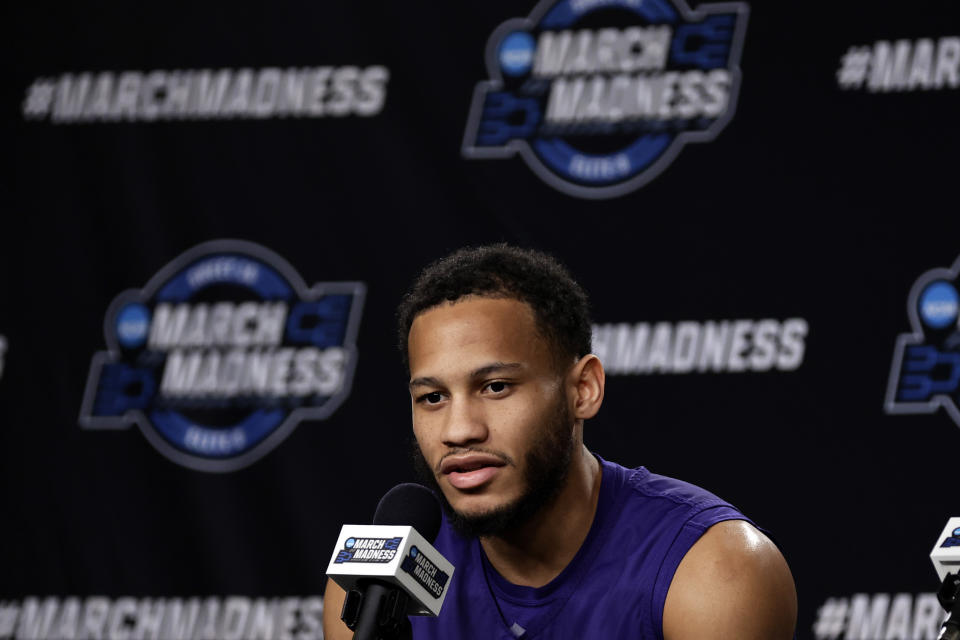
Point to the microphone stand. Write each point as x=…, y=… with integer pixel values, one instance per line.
x=377, y=610
x=949, y=597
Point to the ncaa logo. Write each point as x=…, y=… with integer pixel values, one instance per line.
x=938, y=305
x=222, y=354
x=953, y=540
x=925, y=373
x=599, y=96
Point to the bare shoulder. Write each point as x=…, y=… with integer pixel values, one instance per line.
x=333, y=627
x=733, y=584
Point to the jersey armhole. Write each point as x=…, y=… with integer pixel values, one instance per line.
x=689, y=533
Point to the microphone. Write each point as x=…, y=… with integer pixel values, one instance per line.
x=390, y=569
x=946, y=560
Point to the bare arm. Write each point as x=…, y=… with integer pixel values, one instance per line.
x=333, y=627
x=733, y=584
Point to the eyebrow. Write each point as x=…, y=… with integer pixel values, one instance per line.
x=493, y=367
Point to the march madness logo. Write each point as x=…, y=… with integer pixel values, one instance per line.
x=925, y=374
x=222, y=354
x=953, y=540
x=424, y=571
x=599, y=96
x=368, y=550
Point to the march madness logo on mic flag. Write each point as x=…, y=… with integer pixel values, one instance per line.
x=368, y=550
x=222, y=354
x=925, y=374
x=599, y=97
x=425, y=571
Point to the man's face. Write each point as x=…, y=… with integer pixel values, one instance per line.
x=489, y=410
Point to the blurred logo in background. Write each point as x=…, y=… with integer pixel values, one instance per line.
x=923, y=64
x=713, y=346
x=205, y=94
x=222, y=354
x=129, y=618
x=599, y=96
x=871, y=616
x=925, y=374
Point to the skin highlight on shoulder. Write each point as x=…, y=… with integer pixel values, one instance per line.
x=733, y=584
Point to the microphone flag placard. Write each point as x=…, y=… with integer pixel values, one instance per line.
x=394, y=554
x=946, y=553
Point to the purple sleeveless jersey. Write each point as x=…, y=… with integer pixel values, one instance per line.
x=615, y=586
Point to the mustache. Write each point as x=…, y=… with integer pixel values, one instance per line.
x=503, y=457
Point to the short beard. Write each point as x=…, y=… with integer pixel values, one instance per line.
x=548, y=464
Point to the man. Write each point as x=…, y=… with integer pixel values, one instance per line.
x=548, y=540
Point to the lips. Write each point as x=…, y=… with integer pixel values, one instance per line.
x=470, y=470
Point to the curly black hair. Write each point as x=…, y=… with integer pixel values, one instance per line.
x=559, y=304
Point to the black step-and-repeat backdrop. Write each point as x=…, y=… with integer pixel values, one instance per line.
x=211, y=214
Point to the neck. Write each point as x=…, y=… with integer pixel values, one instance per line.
x=535, y=553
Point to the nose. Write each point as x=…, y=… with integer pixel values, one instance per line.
x=464, y=423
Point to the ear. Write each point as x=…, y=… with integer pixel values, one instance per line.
x=586, y=381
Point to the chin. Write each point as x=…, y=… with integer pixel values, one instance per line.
x=478, y=503
x=473, y=502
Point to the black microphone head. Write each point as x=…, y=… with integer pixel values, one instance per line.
x=410, y=505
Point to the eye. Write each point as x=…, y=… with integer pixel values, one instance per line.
x=498, y=386
x=431, y=398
